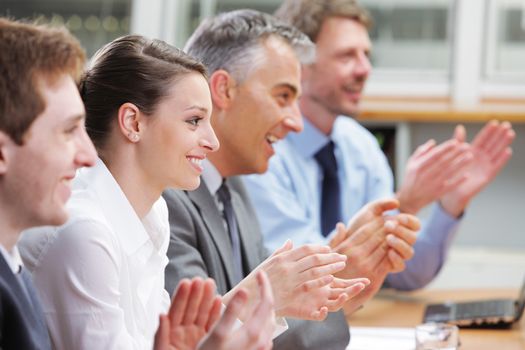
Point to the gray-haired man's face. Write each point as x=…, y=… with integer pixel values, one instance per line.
x=264, y=110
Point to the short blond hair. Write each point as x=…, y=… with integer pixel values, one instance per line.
x=308, y=15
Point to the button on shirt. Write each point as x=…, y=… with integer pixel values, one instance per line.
x=287, y=198
x=101, y=275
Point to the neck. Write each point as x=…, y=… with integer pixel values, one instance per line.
x=11, y=226
x=222, y=159
x=221, y=162
x=133, y=181
x=8, y=239
x=319, y=116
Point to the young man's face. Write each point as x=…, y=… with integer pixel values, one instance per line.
x=37, y=175
x=336, y=80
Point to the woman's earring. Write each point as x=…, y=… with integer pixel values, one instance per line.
x=134, y=137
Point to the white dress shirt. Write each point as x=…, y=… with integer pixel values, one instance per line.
x=12, y=258
x=101, y=275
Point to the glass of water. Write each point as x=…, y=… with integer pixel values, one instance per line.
x=431, y=336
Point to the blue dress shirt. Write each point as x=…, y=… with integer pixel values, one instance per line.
x=287, y=198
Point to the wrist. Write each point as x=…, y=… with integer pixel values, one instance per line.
x=452, y=206
x=404, y=205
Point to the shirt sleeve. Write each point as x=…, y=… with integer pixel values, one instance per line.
x=80, y=303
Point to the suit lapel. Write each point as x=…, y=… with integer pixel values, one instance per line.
x=212, y=218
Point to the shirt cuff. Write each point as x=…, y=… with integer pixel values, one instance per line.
x=281, y=326
x=280, y=323
x=441, y=227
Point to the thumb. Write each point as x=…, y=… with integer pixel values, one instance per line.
x=379, y=206
x=288, y=245
x=340, y=235
x=460, y=133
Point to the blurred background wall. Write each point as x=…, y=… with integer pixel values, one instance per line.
x=436, y=63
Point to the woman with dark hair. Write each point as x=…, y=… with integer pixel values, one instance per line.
x=101, y=275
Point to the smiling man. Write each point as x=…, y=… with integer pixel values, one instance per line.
x=296, y=197
x=42, y=144
x=255, y=81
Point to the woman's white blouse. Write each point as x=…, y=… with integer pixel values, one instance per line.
x=100, y=276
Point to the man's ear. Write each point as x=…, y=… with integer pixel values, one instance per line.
x=6, y=144
x=129, y=121
x=222, y=88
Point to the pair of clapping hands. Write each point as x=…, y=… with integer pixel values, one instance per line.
x=305, y=282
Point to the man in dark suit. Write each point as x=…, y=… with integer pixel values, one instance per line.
x=254, y=68
x=42, y=143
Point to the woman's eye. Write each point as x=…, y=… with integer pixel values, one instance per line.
x=71, y=130
x=194, y=121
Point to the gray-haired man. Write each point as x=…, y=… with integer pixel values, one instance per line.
x=255, y=82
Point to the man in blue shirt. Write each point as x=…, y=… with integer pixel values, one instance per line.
x=288, y=197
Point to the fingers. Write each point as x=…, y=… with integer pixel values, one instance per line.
x=396, y=261
x=161, y=341
x=344, y=283
x=232, y=312
x=378, y=207
x=424, y=148
x=263, y=282
x=263, y=313
x=483, y=137
x=306, y=250
x=348, y=292
x=498, y=139
x=500, y=161
x=207, y=301
x=195, y=299
x=340, y=234
x=323, y=270
x=460, y=134
x=319, y=315
x=374, y=260
x=400, y=246
x=317, y=283
x=446, y=155
x=363, y=235
x=179, y=302
x=215, y=312
x=409, y=221
x=375, y=208
x=288, y=245
x=501, y=141
x=321, y=262
x=404, y=234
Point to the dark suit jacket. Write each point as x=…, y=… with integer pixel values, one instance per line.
x=22, y=324
x=200, y=246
